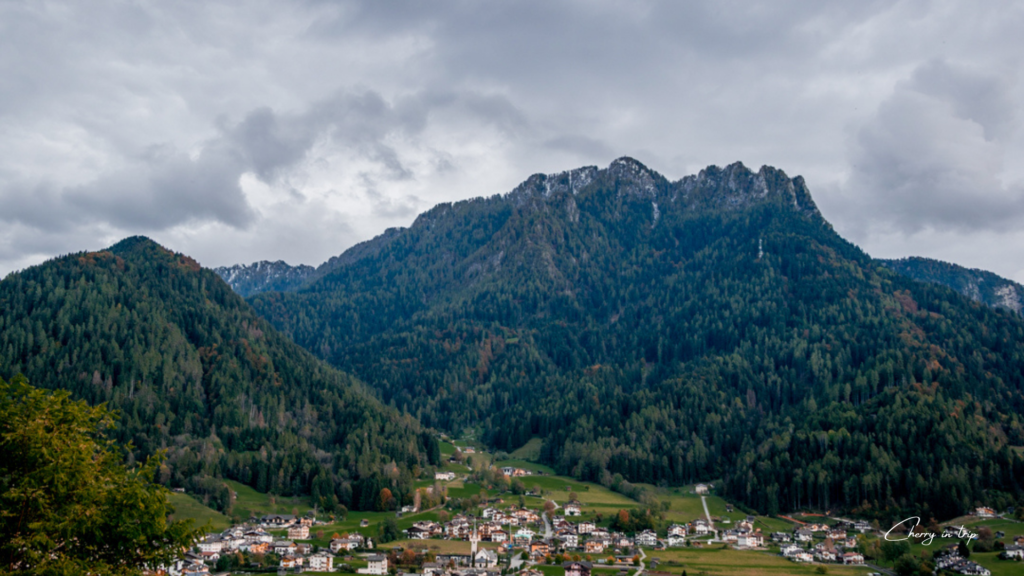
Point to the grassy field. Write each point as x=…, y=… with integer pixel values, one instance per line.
x=529, y=451
x=525, y=465
x=186, y=507
x=249, y=502
x=715, y=561
x=998, y=567
x=438, y=546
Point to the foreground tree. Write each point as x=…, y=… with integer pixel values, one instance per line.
x=68, y=504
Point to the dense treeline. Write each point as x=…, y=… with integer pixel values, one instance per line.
x=192, y=369
x=715, y=327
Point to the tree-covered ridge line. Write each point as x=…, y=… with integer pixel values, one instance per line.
x=191, y=368
x=714, y=327
x=978, y=285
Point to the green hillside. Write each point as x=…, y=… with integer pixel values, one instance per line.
x=670, y=332
x=192, y=369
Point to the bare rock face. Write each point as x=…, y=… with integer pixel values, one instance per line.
x=264, y=276
x=978, y=285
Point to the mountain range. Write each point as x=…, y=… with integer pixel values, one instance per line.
x=193, y=370
x=672, y=331
x=647, y=330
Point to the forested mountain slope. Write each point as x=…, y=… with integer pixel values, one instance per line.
x=192, y=368
x=712, y=327
x=979, y=285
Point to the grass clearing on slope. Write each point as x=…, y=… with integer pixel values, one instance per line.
x=529, y=451
x=718, y=561
x=526, y=465
x=249, y=502
x=186, y=507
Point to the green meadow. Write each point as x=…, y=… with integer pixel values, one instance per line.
x=186, y=507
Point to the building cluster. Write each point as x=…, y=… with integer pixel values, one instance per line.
x=522, y=529
x=821, y=542
x=953, y=562
x=254, y=537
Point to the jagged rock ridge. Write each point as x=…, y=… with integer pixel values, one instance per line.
x=264, y=276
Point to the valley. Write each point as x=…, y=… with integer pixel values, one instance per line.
x=673, y=507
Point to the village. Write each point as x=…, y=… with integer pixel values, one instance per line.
x=504, y=535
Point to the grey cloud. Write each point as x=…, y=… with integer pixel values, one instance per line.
x=412, y=103
x=161, y=186
x=582, y=145
x=986, y=99
x=929, y=158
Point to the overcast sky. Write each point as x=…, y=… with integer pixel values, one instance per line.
x=244, y=131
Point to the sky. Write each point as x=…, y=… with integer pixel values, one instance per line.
x=245, y=131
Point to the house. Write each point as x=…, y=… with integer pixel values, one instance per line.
x=573, y=508
x=804, y=535
x=802, y=557
x=524, y=535
x=701, y=489
x=376, y=564
x=364, y=523
x=418, y=533
x=485, y=559
x=569, y=538
x=339, y=544
x=488, y=513
x=539, y=548
x=647, y=538
x=528, y=516
x=837, y=534
x=212, y=543
x=676, y=540
x=259, y=547
x=278, y=520
x=586, y=527
x=196, y=569
x=677, y=530
x=446, y=476
x=985, y=512
x=1013, y=552
x=593, y=547
x=781, y=537
x=862, y=526
x=749, y=539
x=258, y=535
x=289, y=561
x=284, y=547
x=298, y=533
x=700, y=527
x=790, y=550
x=577, y=568
x=825, y=555
x=321, y=563
x=853, y=558
x=210, y=557
x=433, y=569
x=499, y=536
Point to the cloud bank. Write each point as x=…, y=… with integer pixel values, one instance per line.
x=293, y=130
